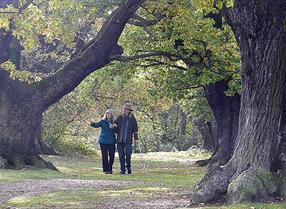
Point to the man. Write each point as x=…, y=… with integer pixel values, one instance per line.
x=126, y=128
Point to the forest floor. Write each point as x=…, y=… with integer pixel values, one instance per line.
x=80, y=184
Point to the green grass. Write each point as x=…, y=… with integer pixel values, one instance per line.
x=84, y=198
x=62, y=199
x=167, y=173
x=21, y=175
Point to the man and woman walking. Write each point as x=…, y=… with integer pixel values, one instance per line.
x=121, y=131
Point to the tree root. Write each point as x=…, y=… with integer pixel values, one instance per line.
x=211, y=186
x=19, y=162
x=3, y=163
x=254, y=184
x=281, y=183
x=202, y=163
x=38, y=162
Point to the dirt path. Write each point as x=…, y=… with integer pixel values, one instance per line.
x=36, y=187
x=31, y=188
x=155, y=202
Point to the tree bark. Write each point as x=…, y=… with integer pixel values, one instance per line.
x=259, y=27
x=22, y=105
x=19, y=123
x=208, y=134
x=4, y=46
x=281, y=155
x=226, y=113
x=183, y=120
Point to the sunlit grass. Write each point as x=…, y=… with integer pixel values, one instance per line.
x=167, y=172
x=20, y=175
x=62, y=199
x=171, y=173
x=84, y=198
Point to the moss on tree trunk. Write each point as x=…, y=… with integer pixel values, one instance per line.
x=260, y=30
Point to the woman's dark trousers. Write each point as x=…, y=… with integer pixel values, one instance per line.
x=107, y=151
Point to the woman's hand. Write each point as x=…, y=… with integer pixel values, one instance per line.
x=114, y=125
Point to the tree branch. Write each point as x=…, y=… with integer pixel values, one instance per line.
x=25, y=6
x=142, y=22
x=95, y=56
x=20, y=10
x=138, y=56
x=158, y=63
x=171, y=56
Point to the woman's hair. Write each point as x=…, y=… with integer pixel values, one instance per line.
x=108, y=111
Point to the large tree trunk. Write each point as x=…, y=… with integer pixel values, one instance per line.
x=259, y=27
x=22, y=105
x=281, y=154
x=19, y=124
x=226, y=113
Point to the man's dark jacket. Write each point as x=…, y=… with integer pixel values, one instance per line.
x=127, y=127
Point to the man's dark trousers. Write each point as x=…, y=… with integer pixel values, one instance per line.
x=108, y=152
x=124, y=152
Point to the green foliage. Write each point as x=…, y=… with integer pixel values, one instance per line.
x=156, y=86
x=65, y=129
x=24, y=76
x=53, y=19
x=201, y=53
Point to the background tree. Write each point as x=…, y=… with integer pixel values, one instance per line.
x=22, y=104
x=191, y=50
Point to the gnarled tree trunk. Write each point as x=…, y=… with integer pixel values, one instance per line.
x=226, y=112
x=281, y=154
x=19, y=124
x=259, y=27
x=22, y=105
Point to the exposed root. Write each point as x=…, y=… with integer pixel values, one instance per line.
x=38, y=162
x=212, y=186
x=202, y=163
x=281, y=183
x=254, y=184
x=20, y=162
x=3, y=163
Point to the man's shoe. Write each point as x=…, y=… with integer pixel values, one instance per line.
x=129, y=172
x=122, y=173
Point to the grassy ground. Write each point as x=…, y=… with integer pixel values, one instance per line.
x=169, y=178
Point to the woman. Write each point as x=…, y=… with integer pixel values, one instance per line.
x=106, y=140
